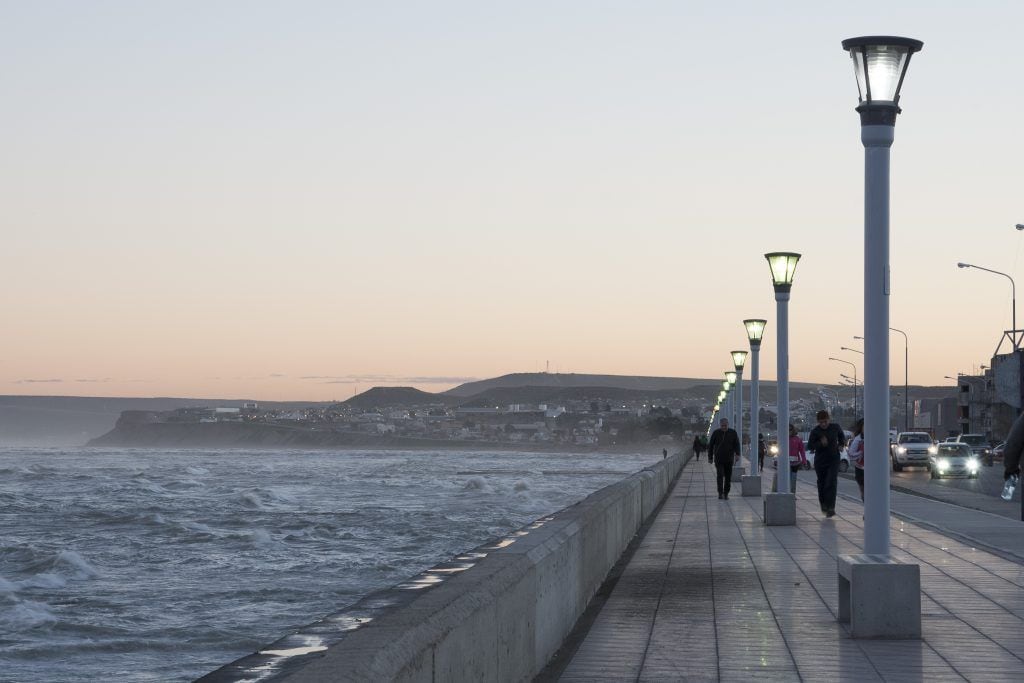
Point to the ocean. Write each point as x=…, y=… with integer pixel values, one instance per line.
x=158, y=565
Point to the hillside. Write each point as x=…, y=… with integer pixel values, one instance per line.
x=380, y=397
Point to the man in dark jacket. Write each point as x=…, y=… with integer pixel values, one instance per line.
x=1013, y=449
x=724, y=450
x=826, y=440
x=697, y=447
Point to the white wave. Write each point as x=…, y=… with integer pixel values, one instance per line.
x=261, y=538
x=475, y=484
x=197, y=471
x=198, y=527
x=25, y=614
x=79, y=568
x=43, y=580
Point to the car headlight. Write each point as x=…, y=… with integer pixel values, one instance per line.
x=943, y=463
x=973, y=464
x=901, y=450
x=933, y=450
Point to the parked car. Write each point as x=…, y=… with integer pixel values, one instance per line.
x=997, y=451
x=912, y=449
x=954, y=460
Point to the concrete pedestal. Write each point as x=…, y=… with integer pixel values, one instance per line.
x=779, y=509
x=751, y=485
x=879, y=598
x=737, y=473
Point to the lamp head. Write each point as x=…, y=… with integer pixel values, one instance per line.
x=783, y=267
x=755, y=331
x=730, y=377
x=738, y=359
x=880, y=65
x=1020, y=226
x=963, y=265
x=725, y=385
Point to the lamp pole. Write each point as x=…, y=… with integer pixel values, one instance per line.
x=840, y=360
x=880, y=64
x=730, y=377
x=782, y=508
x=739, y=359
x=1013, y=293
x=755, y=330
x=906, y=379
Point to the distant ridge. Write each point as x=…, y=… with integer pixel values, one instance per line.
x=573, y=380
x=377, y=397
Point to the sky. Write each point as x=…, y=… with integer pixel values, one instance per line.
x=299, y=200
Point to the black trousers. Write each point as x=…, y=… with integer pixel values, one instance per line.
x=724, y=475
x=828, y=478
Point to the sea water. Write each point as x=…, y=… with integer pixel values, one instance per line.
x=149, y=565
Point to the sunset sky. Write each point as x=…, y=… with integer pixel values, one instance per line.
x=293, y=200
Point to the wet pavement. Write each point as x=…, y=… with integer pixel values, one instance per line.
x=712, y=594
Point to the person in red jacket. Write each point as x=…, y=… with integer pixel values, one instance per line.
x=797, y=457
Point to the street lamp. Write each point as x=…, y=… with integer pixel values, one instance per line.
x=855, y=407
x=780, y=506
x=739, y=358
x=847, y=348
x=880, y=65
x=906, y=379
x=1013, y=310
x=755, y=330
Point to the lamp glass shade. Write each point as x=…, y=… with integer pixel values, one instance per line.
x=880, y=64
x=730, y=376
x=755, y=329
x=783, y=267
x=738, y=359
x=725, y=385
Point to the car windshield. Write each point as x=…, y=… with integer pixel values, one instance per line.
x=915, y=438
x=973, y=439
x=955, y=450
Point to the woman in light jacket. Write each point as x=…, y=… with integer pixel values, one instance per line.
x=856, y=453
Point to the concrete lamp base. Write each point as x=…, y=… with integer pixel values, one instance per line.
x=751, y=485
x=779, y=509
x=737, y=473
x=879, y=598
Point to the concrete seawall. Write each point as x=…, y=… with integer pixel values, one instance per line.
x=496, y=613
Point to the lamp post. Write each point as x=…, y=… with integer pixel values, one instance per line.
x=755, y=331
x=880, y=65
x=730, y=378
x=739, y=359
x=840, y=360
x=906, y=379
x=1013, y=292
x=780, y=506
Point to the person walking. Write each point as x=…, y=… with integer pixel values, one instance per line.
x=697, y=447
x=856, y=454
x=762, y=450
x=826, y=440
x=1014, y=449
x=724, y=450
x=797, y=457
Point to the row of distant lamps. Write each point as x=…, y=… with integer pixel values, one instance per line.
x=783, y=268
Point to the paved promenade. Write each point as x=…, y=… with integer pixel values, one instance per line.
x=712, y=594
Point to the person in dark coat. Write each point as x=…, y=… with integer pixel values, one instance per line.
x=826, y=440
x=762, y=450
x=724, y=449
x=697, y=447
x=1014, y=448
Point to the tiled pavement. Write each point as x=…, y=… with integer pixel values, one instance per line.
x=711, y=594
